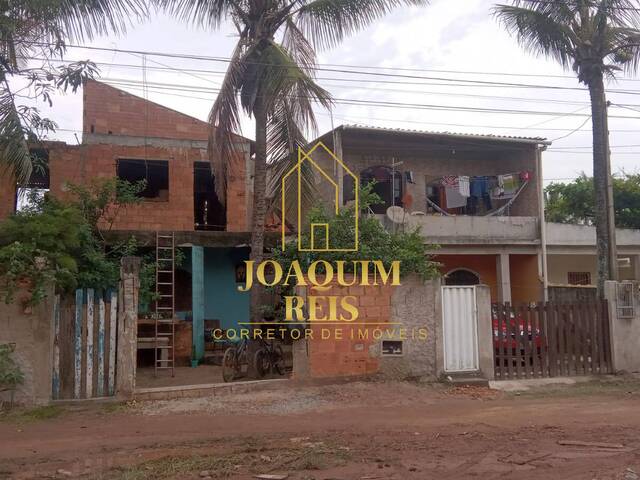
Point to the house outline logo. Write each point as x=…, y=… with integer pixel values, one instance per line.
x=306, y=156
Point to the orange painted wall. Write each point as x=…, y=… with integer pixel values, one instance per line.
x=525, y=282
x=483, y=265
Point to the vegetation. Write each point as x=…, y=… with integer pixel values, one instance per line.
x=575, y=202
x=273, y=81
x=10, y=374
x=40, y=28
x=597, y=39
x=62, y=242
x=375, y=243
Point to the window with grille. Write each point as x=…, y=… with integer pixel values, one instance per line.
x=625, y=304
x=579, y=278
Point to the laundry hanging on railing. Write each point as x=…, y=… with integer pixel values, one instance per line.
x=473, y=192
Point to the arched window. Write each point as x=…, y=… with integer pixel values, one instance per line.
x=461, y=277
x=388, y=186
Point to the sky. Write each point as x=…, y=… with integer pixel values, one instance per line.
x=444, y=41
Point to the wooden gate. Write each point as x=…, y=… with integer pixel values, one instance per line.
x=84, y=349
x=550, y=340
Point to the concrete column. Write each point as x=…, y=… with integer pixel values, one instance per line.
x=197, y=298
x=127, y=326
x=635, y=265
x=504, y=277
x=623, y=332
x=485, y=331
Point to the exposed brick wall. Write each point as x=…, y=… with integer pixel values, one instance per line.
x=110, y=110
x=7, y=195
x=335, y=357
x=85, y=163
x=239, y=197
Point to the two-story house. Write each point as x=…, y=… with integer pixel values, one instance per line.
x=479, y=198
x=133, y=139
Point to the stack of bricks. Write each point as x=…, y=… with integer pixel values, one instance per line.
x=346, y=349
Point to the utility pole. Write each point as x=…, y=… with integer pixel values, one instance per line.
x=612, y=248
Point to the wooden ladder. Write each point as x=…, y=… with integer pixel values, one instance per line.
x=165, y=326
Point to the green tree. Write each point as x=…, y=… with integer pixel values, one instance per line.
x=575, y=202
x=271, y=78
x=597, y=39
x=61, y=242
x=375, y=242
x=40, y=28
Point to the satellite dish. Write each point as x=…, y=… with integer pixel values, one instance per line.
x=396, y=214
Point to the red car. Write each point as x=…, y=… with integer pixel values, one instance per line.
x=516, y=336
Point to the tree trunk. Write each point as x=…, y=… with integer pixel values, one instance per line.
x=600, y=180
x=259, y=202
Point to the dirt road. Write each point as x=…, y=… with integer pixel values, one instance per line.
x=359, y=431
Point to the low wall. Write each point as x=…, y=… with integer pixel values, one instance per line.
x=32, y=333
x=625, y=332
x=395, y=335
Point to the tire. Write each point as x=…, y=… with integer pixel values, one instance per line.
x=261, y=362
x=229, y=365
x=278, y=360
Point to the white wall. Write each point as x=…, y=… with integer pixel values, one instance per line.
x=560, y=265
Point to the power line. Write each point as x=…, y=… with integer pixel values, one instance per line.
x=189, y=72
x=345, y=71
x=377, y=103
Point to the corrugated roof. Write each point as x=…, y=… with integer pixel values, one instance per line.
x=475, y=136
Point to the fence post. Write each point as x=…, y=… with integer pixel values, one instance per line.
x=127, y=326
x=485, y=332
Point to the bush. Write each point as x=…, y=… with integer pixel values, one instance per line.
x=10, y=374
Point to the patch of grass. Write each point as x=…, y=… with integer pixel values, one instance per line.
x=251, y=459
x=115, y=407
x=170, y=467
x=36, y=414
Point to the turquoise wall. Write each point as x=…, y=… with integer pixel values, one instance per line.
x=222, y=300
x=197, y=300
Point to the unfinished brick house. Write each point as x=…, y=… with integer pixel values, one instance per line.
x=128, y=137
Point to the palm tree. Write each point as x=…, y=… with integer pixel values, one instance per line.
x=40, y=28
x=597, y=39
x=271, y=78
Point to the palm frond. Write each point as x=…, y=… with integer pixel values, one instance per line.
x=327, y=22
x=224, y=123
x=298, y=47
x=206, y=13
x=539, y=32
x=282, y=76
x=79, y=19
x=14, y=152
x=284, y=139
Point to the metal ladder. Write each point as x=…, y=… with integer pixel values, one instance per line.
x=165, y=326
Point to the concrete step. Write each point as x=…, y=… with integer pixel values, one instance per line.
x=466, y=378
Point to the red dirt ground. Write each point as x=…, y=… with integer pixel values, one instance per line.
x=360, y=431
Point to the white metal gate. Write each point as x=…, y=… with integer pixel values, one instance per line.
x=459, y=325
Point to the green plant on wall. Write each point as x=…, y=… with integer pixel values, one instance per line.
x=10, y=374
x=375, y=242
x=62, y=242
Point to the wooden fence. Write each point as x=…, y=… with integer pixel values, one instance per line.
x=84, y=350
x=550, y=340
